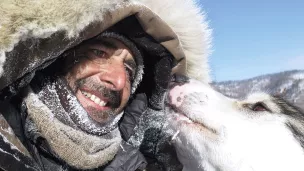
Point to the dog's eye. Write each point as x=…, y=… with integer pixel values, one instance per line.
x=259, y=107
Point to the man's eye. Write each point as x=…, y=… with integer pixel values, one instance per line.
x=98, y=52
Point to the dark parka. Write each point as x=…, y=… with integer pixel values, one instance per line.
x=172, y=36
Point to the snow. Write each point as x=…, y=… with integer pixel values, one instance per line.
x=301, y=85
x=9, y=132
x=13, y=147
x=286, y=85
x=259, y=84
x=231, y=94
x=9, y=154
x=297, y=76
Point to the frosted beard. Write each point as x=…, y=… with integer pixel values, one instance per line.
x=60, y=98
x=80, y=115
x=57, y=116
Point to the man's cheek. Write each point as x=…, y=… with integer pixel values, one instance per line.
x=124, y=102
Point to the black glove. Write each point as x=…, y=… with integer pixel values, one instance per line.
x=159, y=153
x=162, y=79
x=144, y=110
x=179, y=79
x=152, y=100
x=142, y=123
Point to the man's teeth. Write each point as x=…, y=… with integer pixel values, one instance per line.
x=95, y=99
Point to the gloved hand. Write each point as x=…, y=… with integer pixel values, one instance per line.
x=142, y=101
x=151, y=92
x=156, y=146
x=179, y=79
x=143, y=120
x=142, y=125
x=162, y=77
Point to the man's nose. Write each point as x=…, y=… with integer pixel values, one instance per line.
x=115, y=76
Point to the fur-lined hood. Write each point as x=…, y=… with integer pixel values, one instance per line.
x=33, y=32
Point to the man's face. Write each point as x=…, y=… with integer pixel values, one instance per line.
x=102, y=78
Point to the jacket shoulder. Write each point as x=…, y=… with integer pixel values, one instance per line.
x=13, y=155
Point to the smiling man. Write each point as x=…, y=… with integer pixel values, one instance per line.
x=109, y=67
x=77, y=108
x=77, y=78
x=102, y=81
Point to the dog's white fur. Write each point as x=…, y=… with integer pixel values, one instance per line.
x=32, y=19
x=217, y=133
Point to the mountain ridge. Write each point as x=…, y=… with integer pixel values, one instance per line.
x=287, y=84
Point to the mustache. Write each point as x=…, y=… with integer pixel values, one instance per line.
x=113, y=97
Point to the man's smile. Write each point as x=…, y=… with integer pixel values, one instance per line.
x=95, y=97
x=97, y=106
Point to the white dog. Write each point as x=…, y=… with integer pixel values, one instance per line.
x=216, y=133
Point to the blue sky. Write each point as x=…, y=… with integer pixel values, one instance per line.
x=257, y=37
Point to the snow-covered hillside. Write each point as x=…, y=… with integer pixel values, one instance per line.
x=288, y=84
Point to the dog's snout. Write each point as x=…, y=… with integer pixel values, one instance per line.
x=177, y=89
x=176, y=95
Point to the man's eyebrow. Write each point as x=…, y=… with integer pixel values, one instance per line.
x=107, y=43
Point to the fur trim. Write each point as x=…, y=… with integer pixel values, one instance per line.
x=43, y=18
x=188, y=22
x=2, y=61
x=29, y=19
